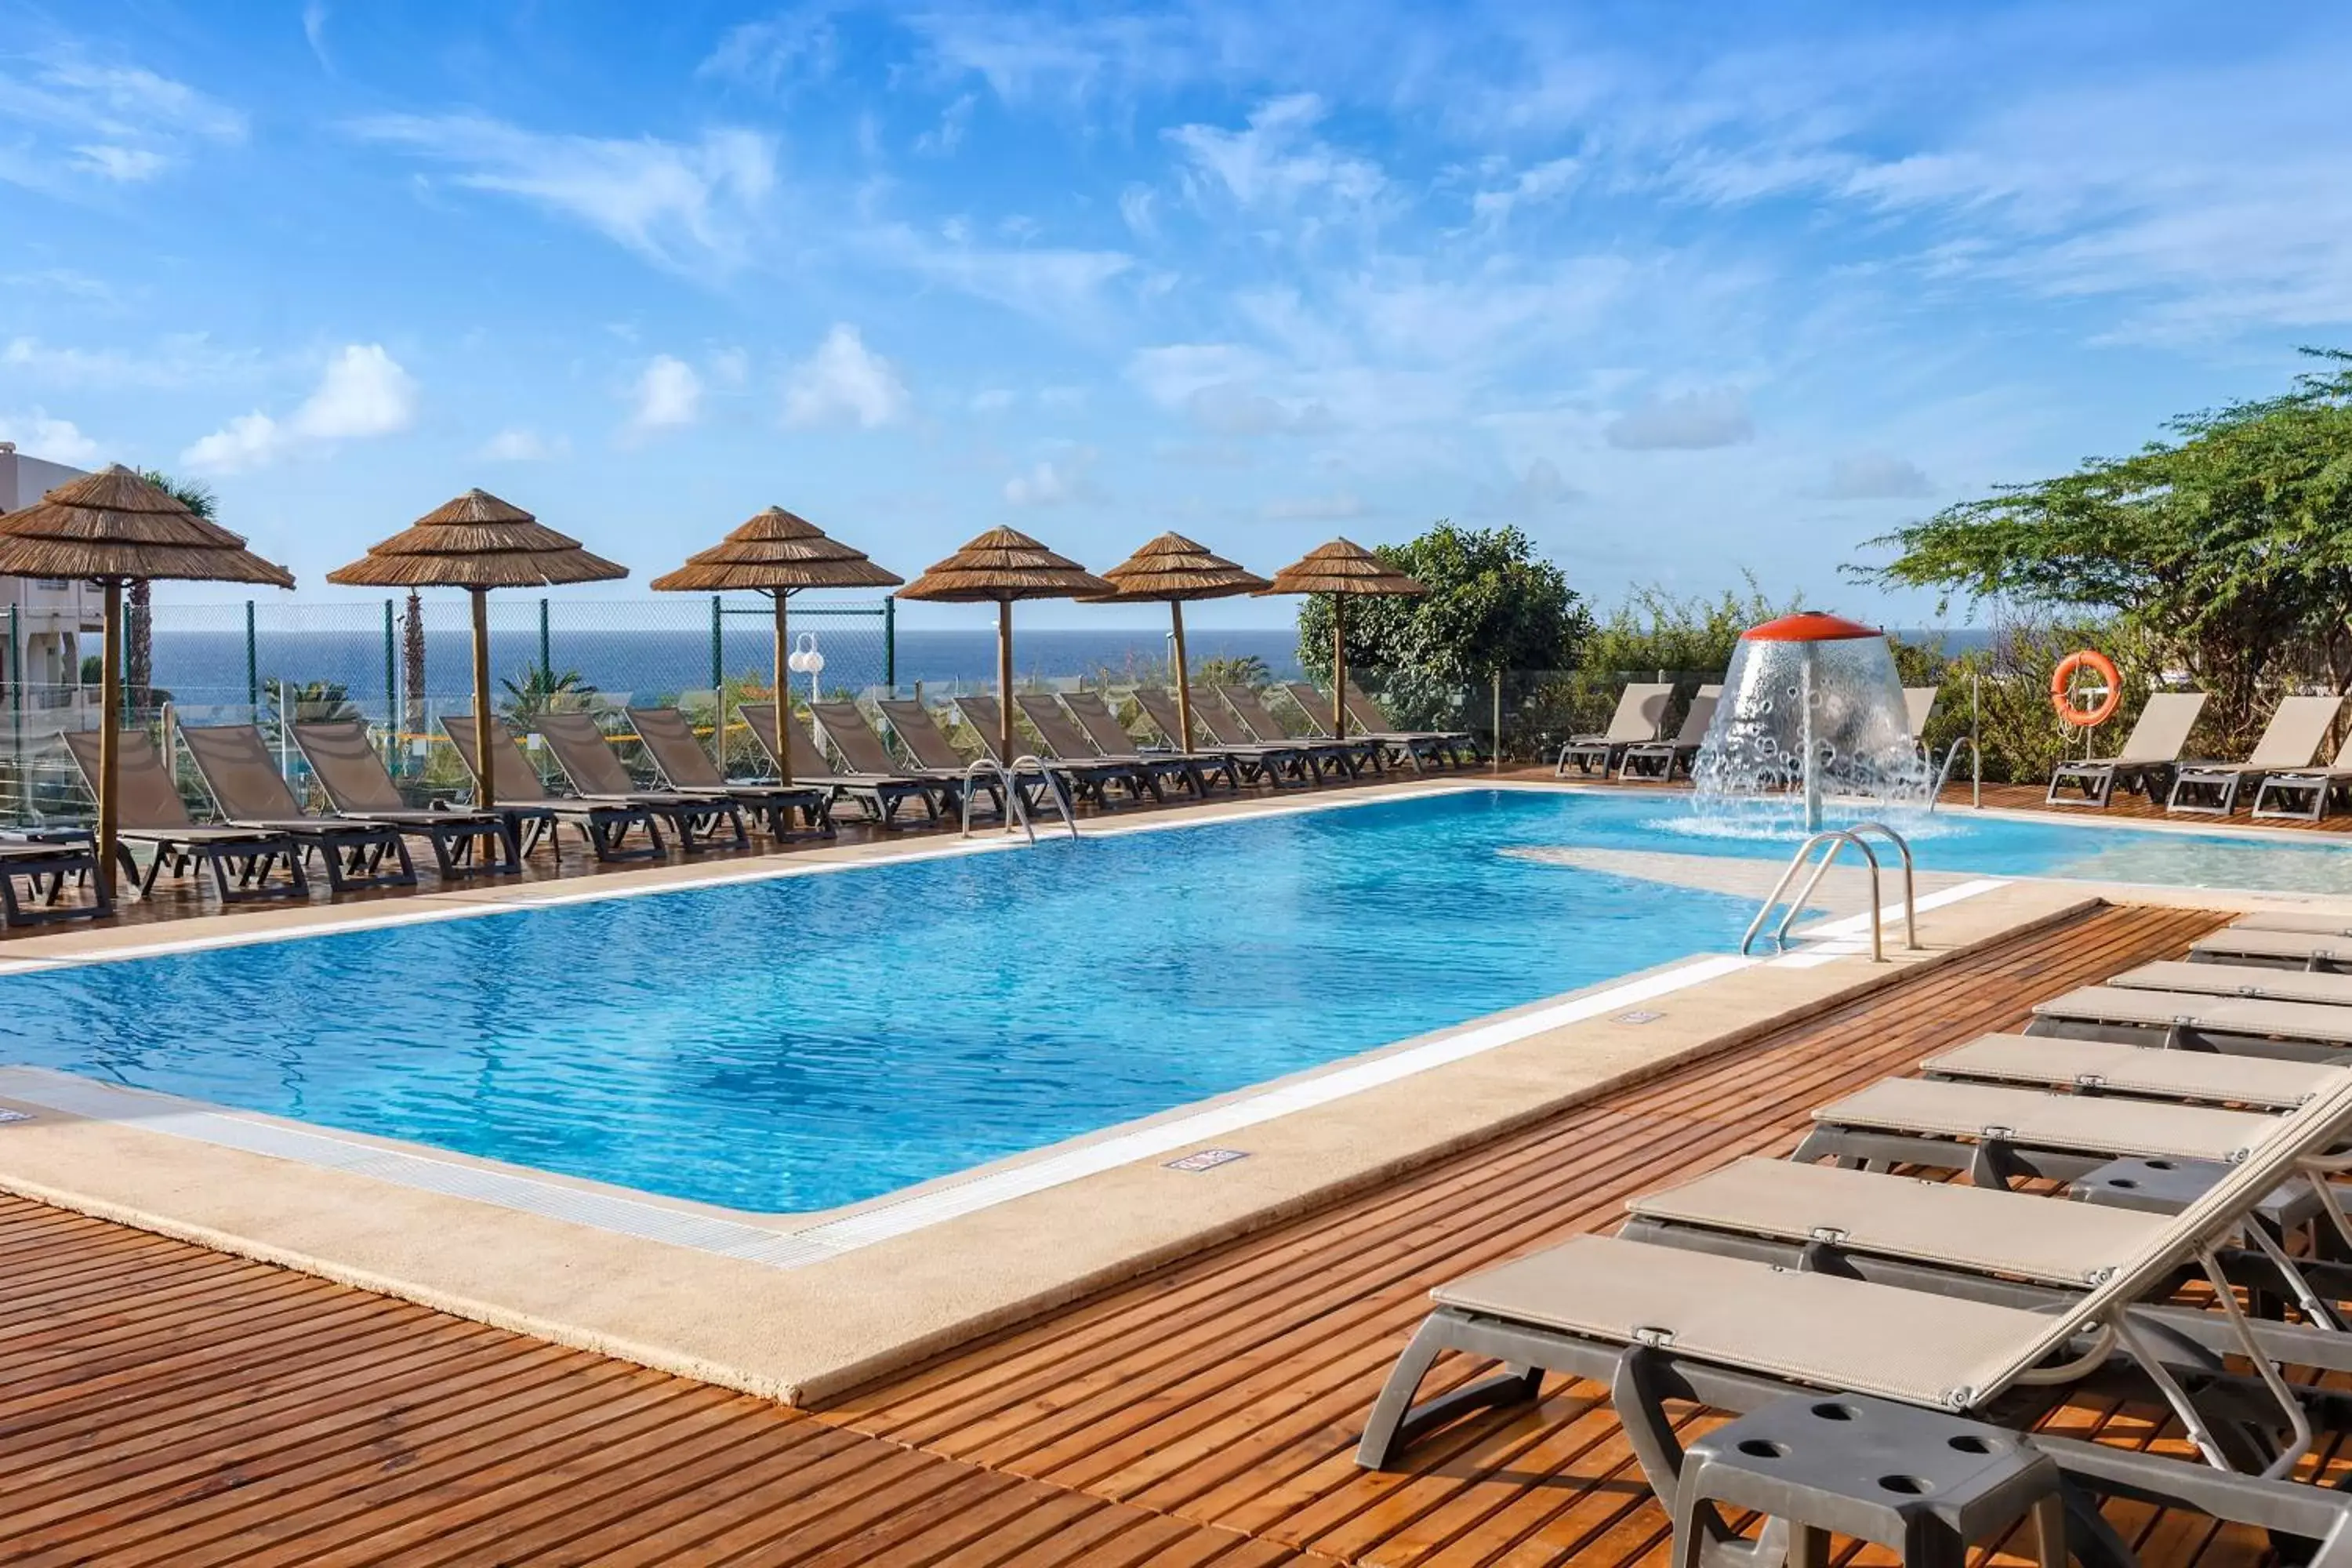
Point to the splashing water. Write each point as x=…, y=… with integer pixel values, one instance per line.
x=1752, y=778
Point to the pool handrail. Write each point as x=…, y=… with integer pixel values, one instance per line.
x=1015, y=808
x=1837, y=838
x=1053, y=787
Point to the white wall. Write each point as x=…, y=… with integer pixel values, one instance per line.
x=50, y=615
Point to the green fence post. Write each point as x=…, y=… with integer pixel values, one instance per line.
x=391, y=672
x=890, y=645
x=717, y=652
x=252, y=662
x=17, y=718
x=546, y=659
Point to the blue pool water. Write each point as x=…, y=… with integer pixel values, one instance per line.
x=809, y=1041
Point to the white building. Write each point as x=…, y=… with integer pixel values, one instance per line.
x=43, y=621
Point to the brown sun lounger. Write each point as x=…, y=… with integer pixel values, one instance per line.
x=2289, y=744
x=2146, y=763
x=686, y=768
x=1663, y=758
x=361, y=789
x=524, y=797
x=1640, y=715
x=1065, y=742
x=1111, y=738
x=1460, y=746
x=1276, y=767
x=150, y=811
x=597, y=774
x=845, y=727
x=880, y=795
x=1350, y=756
x=234, y=763
x=48, y=862
x=1086, y=778
x=1418, y=748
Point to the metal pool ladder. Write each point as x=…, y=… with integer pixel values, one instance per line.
x=1837, y=838
x=1015, y=808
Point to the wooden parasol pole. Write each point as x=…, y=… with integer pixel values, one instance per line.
x=1338, y=667
x=1005, y=681
x=110, y=738
x=784, y=692
x=482, y=747
x=1183, y=678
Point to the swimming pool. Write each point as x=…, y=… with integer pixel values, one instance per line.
x=802, y=1042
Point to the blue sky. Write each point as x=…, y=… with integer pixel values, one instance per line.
x=1679, y=290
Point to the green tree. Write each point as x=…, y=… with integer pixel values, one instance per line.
x=2226, y=546
x=1492, y=606
x=309, y=702
x=139, y=597
x=538, y=689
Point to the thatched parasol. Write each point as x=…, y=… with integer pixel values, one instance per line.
x=1171, y=570
x=778, y=555
x=477, y=543
x=1340, y=568
x=111, y=528
x=1000, y=566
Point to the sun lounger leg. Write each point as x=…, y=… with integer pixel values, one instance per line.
x=1395, y=1422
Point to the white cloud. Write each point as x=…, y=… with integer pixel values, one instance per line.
x=678, y=204
x=1536, y=489
x=1056, y=481
x=801, y=45
x=1069, y=56
x=1717, y=416
x=1877, y=476
x=1136, y=209
x=1543, y=183
x=845, y=383
x=187, y=359
x=667, y=395
x=954, y=121
x=1337, y=507
x=1053, y=285
x=118, y=124
x=521, y=446
x=37, y=434
x=363, y=393
x=1275, y=162
x=314, y=30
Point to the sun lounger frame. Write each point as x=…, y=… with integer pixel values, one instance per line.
x=597, y=772
x=180, y=843
x=2168, y=716
x=1276, y=767
x=1102, y=728
x=1065, y=740
x=670, y=745
x=878, y=796
x=533, y=815
x=1636, y=720
x=1678, y=754
x=464, y=843
x=54, y=859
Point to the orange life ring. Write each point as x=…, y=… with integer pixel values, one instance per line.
x=2062, y=695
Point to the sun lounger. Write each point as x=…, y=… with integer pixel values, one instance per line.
x=148, y=811
x=524, y=797
x=2323, y=954
x=344, y=761
x=1314, y=708
x=48, y=862
x=878, y=794
x=2238, y=980
x=844, y=725
x=2297, y=1031
x=1918, y=706
x=1065, y=742
x=2289, y=741
x=1111, y=738
x=1086, y=778
x=677, y=755
x=1663, y=759
x=1258, y=723
x=2149, y=755
x=1641, y=714
x=234, y=763
x=597, y=774
x=1659, y=1323
x=2303, y=795
x=1276, y=767
x=2112, y=1066
x=925, y=742
x=1461, y=747
x=2318, y=922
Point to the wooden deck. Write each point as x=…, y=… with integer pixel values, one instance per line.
x=165, y=1405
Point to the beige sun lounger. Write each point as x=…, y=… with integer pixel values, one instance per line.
x=1918, y=705
x=1641, y=713
x=2053, y=1062
x=2303, y=795
x=2278, y=949
x=49, y=862
x=2289, y=744
x=148, y=811
x=1663, y=758
x=2149, y=755
x=2316, y=922
x=1376, y=724
x=2238, y=980
x=2308, y=1031
x=1734, y=1332
x=2104, y=1125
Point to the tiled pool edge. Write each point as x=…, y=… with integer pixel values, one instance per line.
x=798, y=1333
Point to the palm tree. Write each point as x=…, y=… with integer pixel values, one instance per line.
x=139, y=607
x=541, y=691
x=309, y=702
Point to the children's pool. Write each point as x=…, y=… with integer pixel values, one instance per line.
x=798, y=1043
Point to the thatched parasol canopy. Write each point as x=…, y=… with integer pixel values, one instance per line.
x=1172, y=569
x=1340, y=568
x=777, y=553
x=1000, y=566
x=477, y=543
x=113, y=527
